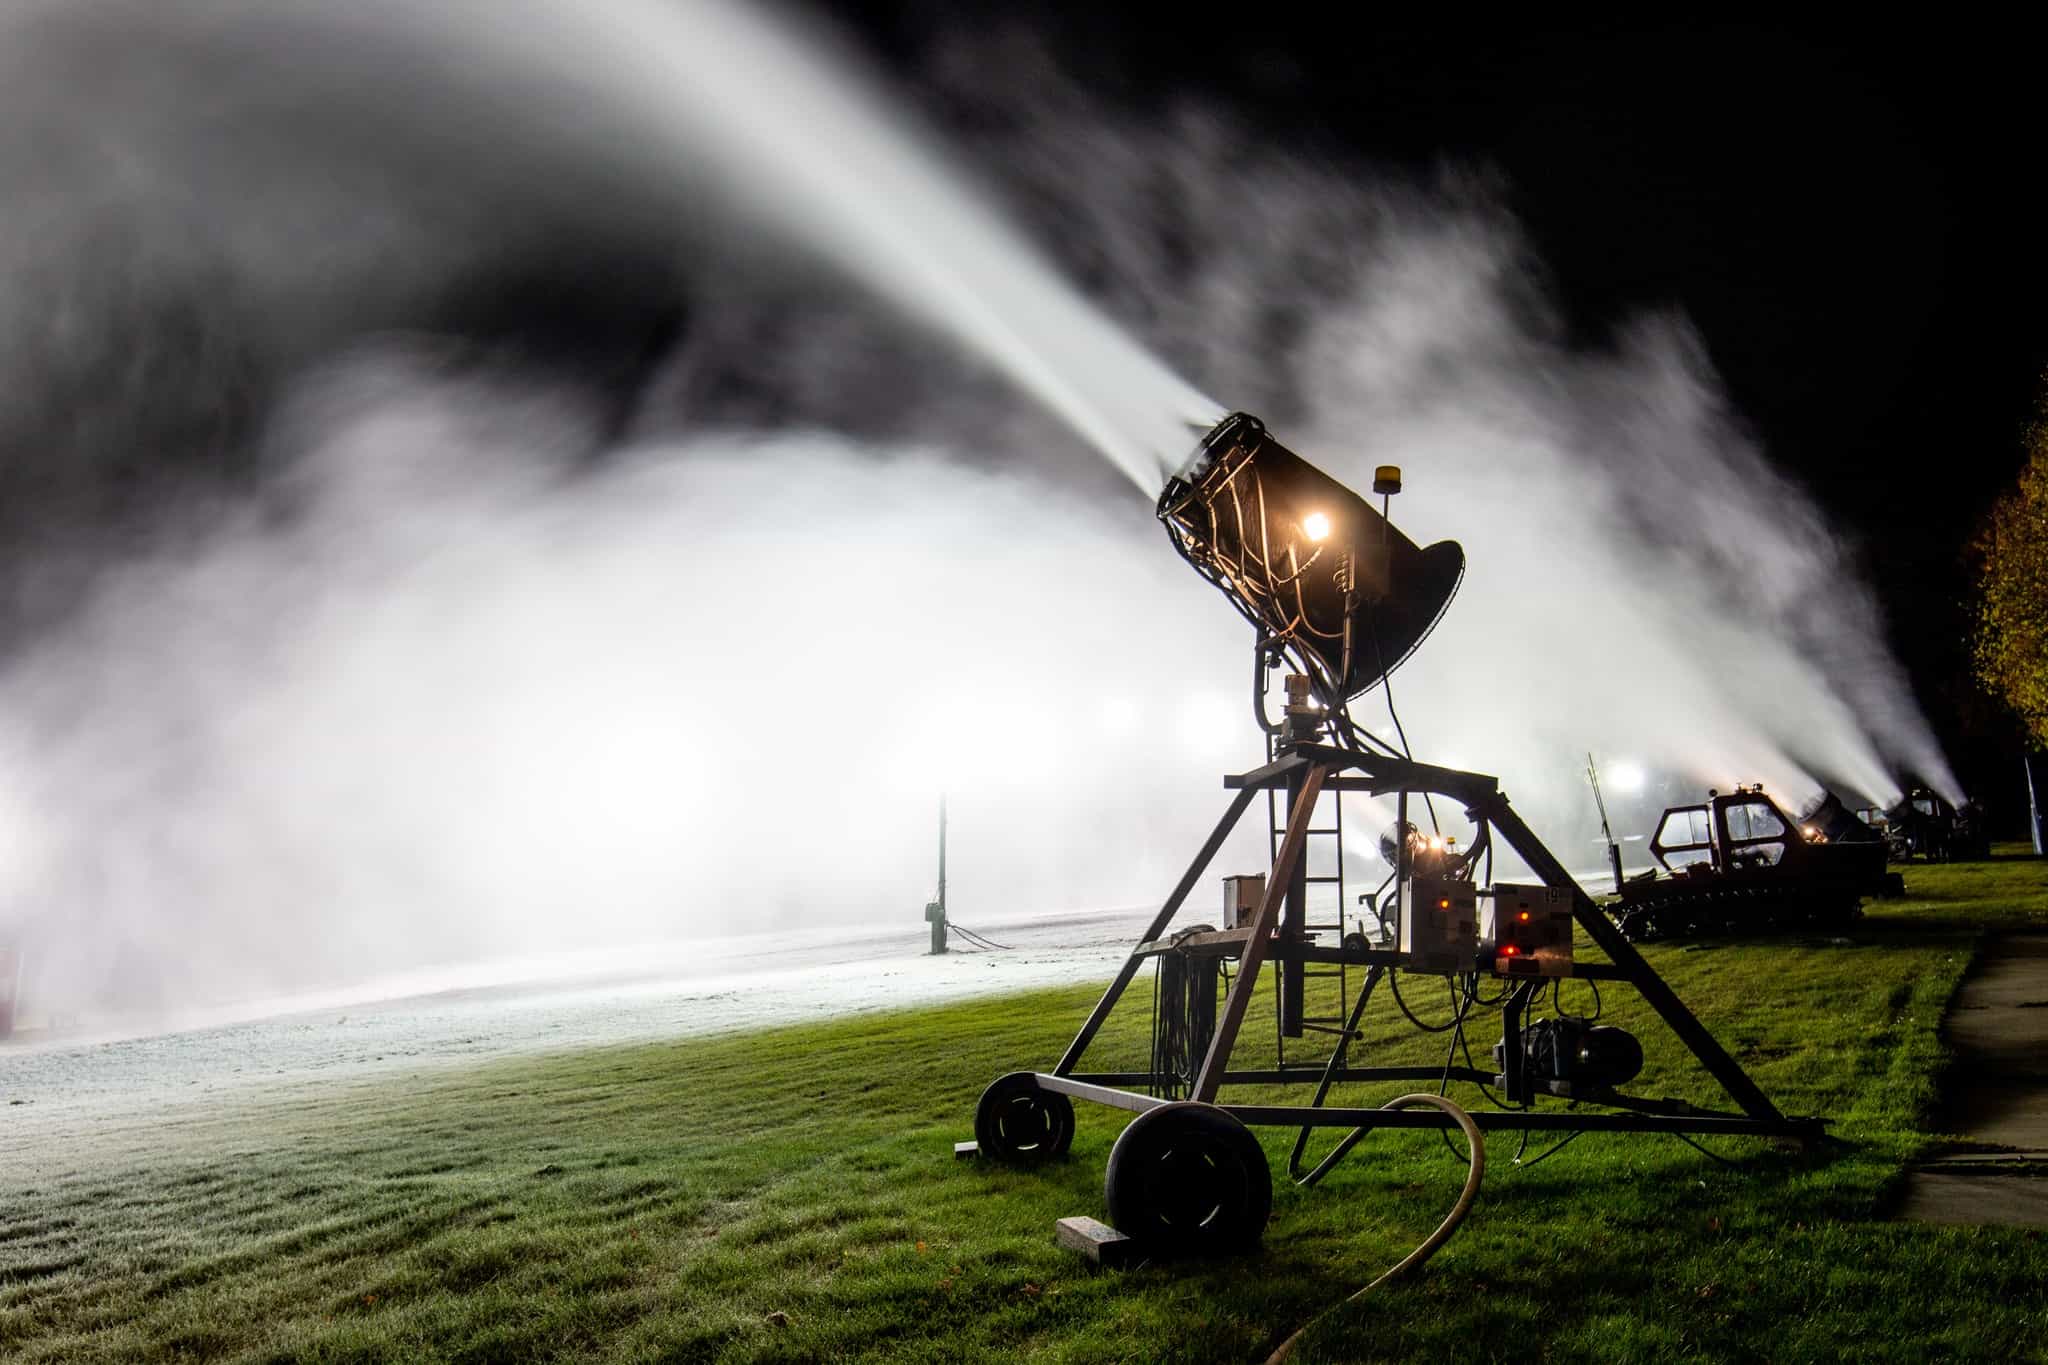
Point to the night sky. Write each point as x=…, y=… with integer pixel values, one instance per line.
x=1843, y=215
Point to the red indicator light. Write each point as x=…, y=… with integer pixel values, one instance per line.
x=1523, y=916
x=1443, y=905
x=1508, y=951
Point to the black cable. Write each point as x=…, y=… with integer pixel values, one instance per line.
x=1711, y=1156
x=1472, y=1063
x=1567, y=1140
x=1387, y=685
x=1154, y=1087
x=1394, y=983
x=1557, y=999
x=1183, y=1020
x=1360, y=737
x=1450, y=1060
x=979, y=940
x=1169, y=1038
x=1472, y=989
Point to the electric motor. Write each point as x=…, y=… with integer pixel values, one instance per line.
x=1580, y=1053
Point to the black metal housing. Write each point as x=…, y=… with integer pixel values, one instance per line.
x=1830, y=817
x=1348, y=606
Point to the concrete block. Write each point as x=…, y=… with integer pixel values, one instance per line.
x=1097, y=1241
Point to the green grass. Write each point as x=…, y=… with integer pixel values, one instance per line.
x=661, y=1202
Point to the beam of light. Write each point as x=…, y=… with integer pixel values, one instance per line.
x=1626, y=776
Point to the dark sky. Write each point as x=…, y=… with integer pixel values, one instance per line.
x=1843, y=213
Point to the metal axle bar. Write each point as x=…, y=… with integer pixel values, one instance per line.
x=1519, y=1120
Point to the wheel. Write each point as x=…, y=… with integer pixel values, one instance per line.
x=1189, y=1178
x=1018, y=1123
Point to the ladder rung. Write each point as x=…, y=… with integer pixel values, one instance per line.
x=1322, y=880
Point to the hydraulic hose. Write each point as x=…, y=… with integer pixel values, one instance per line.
x=1443, y=1232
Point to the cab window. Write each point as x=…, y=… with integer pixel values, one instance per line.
x=1754, y=821
x=1756, y=835
x=1682, y=839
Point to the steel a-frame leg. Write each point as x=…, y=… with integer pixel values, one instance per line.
x=1211, y=1078
x=1165, y=916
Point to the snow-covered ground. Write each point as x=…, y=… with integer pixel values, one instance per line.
x=51, y=1082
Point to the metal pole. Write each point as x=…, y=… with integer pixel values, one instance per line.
x=1600, y=802
x=2037, y=824
x=1293, y=922
x=936, y=912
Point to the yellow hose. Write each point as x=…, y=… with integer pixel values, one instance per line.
x=1444, y=1229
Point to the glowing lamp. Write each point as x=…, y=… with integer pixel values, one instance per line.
x=1308, y=562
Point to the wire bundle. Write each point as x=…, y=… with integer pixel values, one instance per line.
x=1183, y=1020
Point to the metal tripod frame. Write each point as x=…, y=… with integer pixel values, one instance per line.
x=1305, y=771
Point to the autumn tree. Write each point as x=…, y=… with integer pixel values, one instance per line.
x=2011, y=552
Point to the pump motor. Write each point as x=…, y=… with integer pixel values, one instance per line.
x=1578, y=1053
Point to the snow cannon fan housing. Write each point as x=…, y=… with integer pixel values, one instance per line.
x=1307, y=561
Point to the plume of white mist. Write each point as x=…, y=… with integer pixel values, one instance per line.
x=788, y=131
x=443, y=702
x=1641, y=579
x=840, y=171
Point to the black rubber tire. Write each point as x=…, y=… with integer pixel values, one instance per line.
x=1021, y=1125
x=1188, y=1179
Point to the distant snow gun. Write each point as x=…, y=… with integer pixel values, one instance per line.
x=1736, y=863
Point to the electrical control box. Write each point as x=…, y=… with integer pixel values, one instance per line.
x=1527, y=930
x=1439, y=924
x=1241, y=897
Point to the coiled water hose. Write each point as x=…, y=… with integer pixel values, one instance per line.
x=1443, y=1232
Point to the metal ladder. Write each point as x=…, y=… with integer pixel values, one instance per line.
x=1332, y=833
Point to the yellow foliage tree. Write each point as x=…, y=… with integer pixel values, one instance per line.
x=2012, y=593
